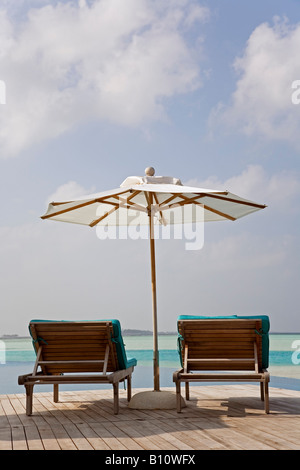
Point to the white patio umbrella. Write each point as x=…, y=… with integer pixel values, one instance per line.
x=151, y=200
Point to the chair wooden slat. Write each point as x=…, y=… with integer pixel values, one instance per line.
x=78, y=350
x=223, y=345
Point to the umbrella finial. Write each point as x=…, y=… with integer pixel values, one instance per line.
x=149, y=171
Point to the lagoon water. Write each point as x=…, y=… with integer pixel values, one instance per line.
x=17, y=357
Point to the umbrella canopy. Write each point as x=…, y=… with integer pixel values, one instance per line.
x=160, y=195
x=156, y=200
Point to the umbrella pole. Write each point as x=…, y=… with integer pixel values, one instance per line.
x=154, y=306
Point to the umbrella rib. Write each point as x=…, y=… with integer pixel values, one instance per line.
x=148, y=207
x=60, y=203
x=190, y=200
x=186, y=200
x=215, y=211
x=116, y=196
x=208, y=208
x=96, y=221
x=194, y=201
x=78, y=206
x=216, y=196
x=111, y=203
x=133, y=195
x=130, y=203
x=122, y=203
x=246, y=203
x=162, y=204
x=161, y=214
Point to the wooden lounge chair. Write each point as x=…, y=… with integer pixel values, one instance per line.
x=78, y=353
x=230, y=349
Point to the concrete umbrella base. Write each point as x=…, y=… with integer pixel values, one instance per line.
x=154, y=400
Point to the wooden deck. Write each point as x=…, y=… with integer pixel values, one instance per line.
x=217, y=417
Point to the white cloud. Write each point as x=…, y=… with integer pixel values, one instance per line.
x=69, y=191
x=68, y=62
x=197, y=13
x=278, y=190
x=263, y=248
x=262, y=101
x=244, y=252
x=61, y=271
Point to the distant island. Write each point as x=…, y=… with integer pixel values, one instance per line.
x=126, y=332
x=130, y=332
x=9, y=336
x=13, y=337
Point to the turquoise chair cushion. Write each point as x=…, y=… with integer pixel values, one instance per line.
x=124, y=362
x=265, y=327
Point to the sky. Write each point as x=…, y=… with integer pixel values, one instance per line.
x=94, y=91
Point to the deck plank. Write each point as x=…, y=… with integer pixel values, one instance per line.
x=48, y=439
x=216, y=417
x=19, y=441
x=5, y=439
x=129, y=443
x=33, y=438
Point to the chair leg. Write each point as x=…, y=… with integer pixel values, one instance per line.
x=116, y=397
x=29, y=398
x=187, y=390
x=267, y=408
x=178, y=397
x=262, y=393
x=129, y=388
x=55, y=393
